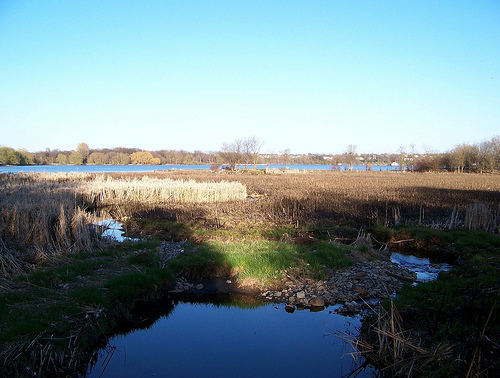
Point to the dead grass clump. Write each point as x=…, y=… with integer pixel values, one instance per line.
x=9, y=263
x=395, y=351
x=45, y=355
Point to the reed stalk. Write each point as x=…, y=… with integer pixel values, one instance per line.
x=394, y=350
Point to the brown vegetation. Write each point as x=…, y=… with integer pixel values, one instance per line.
x=328, y=199
x=44, y=216
x=47, y=215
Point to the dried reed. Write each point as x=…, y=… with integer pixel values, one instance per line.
x=42, y=216
x=154, y=190
x=479, y=216
x=394, y=350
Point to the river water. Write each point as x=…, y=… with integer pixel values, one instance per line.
x=151, y=168
x=426, y=269
x=207, y=339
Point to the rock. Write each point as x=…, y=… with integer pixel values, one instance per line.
x=360, y=276
x=199, y=287
x=290, y=308
x=352, y=307
x=301, y=295
x=317, y=302
x=317, y=309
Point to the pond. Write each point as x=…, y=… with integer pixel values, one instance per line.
x=227, y=337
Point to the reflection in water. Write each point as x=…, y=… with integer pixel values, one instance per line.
x=206, y=339
x=113, y=230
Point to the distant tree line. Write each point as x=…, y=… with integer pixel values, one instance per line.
x=246, y=152
x=481, y=157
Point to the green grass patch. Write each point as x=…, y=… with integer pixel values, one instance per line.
x=273, y=233
x=33, y=311
x=55, y=277
x=91, y=295
x=126, y=289
x=146, y=258
x=474, y=241
x=325, y=256
x=264, y=261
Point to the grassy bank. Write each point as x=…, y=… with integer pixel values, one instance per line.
x=447, y=327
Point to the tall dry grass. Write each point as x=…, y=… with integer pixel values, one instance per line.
x=106, y=190
x=42, y=216
x=45, y=215
x=479, y=216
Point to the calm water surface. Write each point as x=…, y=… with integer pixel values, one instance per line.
x=210, y=340
x=151, y=168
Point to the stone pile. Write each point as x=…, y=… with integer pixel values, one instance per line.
x=183, y=286
x=169, y=250
x=361, y=281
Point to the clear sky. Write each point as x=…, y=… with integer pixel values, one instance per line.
x=312, y=76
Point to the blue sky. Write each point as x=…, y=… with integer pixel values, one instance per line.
x=311, y=76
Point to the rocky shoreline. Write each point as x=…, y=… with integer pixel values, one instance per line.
x=349, y=286
x=364, y=280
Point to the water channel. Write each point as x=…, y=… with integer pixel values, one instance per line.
x=234, y=335
x=208, y=338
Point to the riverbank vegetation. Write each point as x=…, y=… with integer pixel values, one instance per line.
x=65, y=288
x=448, y=327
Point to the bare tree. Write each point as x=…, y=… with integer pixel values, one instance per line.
x=482, y=157
x=459, y=158
x=232, y=153
x=402, y=156
x=495, y=146
x=285, y=157
x=412, y=156
x=350, y=155
x=251, y=149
